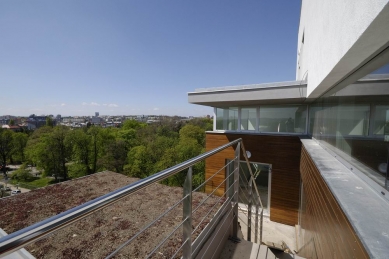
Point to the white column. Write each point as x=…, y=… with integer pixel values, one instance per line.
x=214, y=118
x=257, y=126
x=239, y=118
x=225, y=118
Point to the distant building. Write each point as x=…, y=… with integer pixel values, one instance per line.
x=96, y=120
x=34, y=122
x=13, y=128
x=73, y=119
x=5, y=120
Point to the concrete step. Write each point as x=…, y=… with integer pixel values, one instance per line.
x=249, y=250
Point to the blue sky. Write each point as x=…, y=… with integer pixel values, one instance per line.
x=138, y=57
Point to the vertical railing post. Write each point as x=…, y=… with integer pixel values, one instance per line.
x=235, y=199
x=187, y=216
x=260, y=234
x=250, y=206
x=256, y=222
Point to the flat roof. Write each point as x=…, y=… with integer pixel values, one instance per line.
x=288, y=92
x=245, y=95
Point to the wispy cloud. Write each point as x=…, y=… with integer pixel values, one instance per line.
x=156, y=109
x=113, y=105
x=63, y=104
x=90, y=104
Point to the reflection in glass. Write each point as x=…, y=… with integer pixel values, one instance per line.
x=261, y=174
x=232, y=119
x=248, y=118
x=340, y=120
x=380, y=118
x=227, y=119
x=351, y=122
x=219, y=118
x=290, y=119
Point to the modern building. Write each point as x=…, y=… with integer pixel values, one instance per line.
x=319, y=143
x=318, y=147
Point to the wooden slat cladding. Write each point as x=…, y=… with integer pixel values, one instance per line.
x=327, y=231
x=282, y=152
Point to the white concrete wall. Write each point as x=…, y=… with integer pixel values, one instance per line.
x=339, y=36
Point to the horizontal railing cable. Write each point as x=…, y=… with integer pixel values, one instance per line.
x=198, y=187
x=251, y=173
x=244, y=176
x=217, y=187
x=165, y=239
x=28, y=235
x=145, y=228
x=206, y=215
x=226, y=217
x=242, y=221
x=255, y=200
x=256, y=203
x=178, y=250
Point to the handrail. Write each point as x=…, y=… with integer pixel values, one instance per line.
x=28, y=235
x=252, y=180
x=251, y=173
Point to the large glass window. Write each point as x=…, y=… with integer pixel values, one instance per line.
x=219, y=118
x=340, y=120
x=227, y=119
x=287, y=119
x=248, y=118
x=381, y=116
x=354, y=122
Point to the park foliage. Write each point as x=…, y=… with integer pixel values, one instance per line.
x=136, y=149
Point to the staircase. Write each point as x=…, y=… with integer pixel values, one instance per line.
x=249, y=250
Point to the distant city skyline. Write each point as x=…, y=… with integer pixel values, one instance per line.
x=138, y=57
x=99, y=115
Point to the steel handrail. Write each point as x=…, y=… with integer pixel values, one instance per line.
x=251, y=173
x=28, y=235
x=252, y=180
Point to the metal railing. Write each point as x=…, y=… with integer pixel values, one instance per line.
x=245, y=185
x=253, y=200
x=224, y=210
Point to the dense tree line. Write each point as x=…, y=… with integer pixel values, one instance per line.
x=136, y=149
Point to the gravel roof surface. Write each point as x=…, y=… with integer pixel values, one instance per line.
x=99, y=234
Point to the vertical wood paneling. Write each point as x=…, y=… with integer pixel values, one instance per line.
x=327, y=231
x=282, y=152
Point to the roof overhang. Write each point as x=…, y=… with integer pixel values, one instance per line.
x=247, y=95
x=291, y=92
